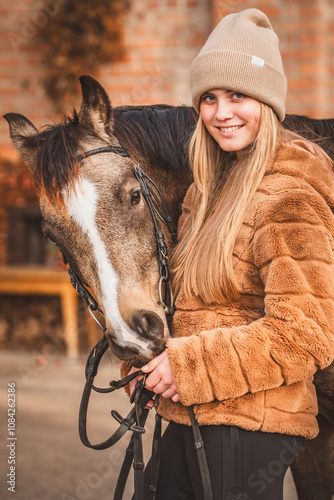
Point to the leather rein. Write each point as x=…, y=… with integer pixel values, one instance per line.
x=136, y=418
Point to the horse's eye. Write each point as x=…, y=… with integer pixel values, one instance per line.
x=135, y=198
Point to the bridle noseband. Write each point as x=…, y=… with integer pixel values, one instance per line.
x=135, y=420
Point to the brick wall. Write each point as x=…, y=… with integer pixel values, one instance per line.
x=161, y=38
x=20, y=90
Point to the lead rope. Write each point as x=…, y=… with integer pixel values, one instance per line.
x=201, y=456
x=134, y=421
x=155, y=455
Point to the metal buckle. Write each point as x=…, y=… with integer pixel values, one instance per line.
x=161, y=302
x=92, y=311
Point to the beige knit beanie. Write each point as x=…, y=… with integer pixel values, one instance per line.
x=242, y=54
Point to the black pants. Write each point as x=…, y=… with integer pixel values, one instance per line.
x=244, y=465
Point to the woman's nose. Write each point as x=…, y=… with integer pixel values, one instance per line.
x=224, y=111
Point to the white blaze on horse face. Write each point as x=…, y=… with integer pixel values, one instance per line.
x=81, y=203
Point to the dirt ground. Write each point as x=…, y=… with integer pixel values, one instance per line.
x=51, y=463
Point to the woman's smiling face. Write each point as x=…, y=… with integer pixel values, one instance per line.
x=233, y=119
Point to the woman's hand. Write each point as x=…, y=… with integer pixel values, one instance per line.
x=160, y=379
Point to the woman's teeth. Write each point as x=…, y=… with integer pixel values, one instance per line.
x=230, y=129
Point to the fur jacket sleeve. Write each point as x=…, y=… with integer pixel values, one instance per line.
x=291, y=266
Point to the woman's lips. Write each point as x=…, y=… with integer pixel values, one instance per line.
x=227, y=131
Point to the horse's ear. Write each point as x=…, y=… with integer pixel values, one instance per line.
x=95, y=111
x=23, y=135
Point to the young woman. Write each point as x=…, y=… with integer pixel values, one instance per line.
x=253, y=273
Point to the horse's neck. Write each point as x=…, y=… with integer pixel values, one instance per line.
x=173, y=186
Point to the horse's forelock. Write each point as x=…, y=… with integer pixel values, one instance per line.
x=56, y=162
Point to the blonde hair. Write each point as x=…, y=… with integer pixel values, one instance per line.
x=203, y=259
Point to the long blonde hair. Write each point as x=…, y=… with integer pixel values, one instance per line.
x=203, y=259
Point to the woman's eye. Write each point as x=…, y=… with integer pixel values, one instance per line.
x=135, y=198
x=238, y=96
x=208, y=98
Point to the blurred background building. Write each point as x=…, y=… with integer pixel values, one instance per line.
x=140, y=51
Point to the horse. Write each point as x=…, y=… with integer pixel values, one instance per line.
x=94, y=210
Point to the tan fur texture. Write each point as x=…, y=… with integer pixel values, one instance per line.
x=251, y=362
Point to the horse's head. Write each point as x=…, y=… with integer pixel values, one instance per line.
x=95, y=212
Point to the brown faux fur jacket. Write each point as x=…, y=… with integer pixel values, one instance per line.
x=250, y=362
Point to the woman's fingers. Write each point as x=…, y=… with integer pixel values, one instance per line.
x=169, y=393
x=161, y=387
x=159, y=378
x=156, y=382
x=150, y=404
x=154, y=362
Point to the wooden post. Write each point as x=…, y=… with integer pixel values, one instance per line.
x=26, y=280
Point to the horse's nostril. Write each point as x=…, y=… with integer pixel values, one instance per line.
x=148, y=324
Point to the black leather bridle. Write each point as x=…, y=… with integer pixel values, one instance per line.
x=157, y=206
x=136, y=418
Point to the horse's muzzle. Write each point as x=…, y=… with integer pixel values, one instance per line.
x=148, y=325
x=149, y=329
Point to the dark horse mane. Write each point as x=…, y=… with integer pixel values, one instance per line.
x=157, y=134
x=319, y=131
x=153, y=135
